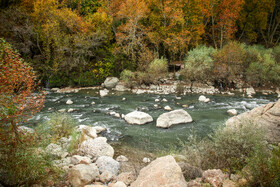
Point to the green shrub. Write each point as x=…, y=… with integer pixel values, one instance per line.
x=59, y=125
x=263, y=69
x=145, y=78
x=128, y=77
x=22, y=164
x=158, y=68
x=228, y=149
x=229, y=63
x=199, y=64
x=263, y=167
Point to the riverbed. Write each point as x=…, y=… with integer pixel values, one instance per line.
x=207, y=116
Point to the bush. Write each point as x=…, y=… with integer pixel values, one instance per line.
x=199, y=64
x=229, y=63
x=263, y=69
x=228, y=149
x=263, y=167
x=59, y=125
x=127, y=77
x=23, y=164
x=158, y=68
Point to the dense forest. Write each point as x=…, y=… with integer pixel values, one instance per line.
x=81, y=42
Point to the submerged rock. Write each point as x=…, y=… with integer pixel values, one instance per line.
x=137, y=117
x=168, y=108
x=163, y=171
x=168, y=119
x=202, y=98
x=111, y=82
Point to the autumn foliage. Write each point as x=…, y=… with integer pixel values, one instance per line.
x=17, y=85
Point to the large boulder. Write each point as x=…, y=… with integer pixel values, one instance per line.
x=172, y=118
x=96, y=147
x=83, y=174
x=111, y=82
x=106, y=163
x=163, y=171
x=267, y=116
x=137, y=117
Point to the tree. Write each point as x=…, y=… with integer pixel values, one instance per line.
x=17, y=86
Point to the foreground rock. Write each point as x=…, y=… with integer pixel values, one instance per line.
x=96, y=147
x=163, y=171
x=168, y=119
x=268, y=116
x=111, y=82
x=215, y=177
x=83, y=174
x=137, y=117
x=105, y=163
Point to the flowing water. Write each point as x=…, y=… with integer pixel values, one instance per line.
x=207, y=116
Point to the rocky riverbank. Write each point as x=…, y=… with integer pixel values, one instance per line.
x=170, y=86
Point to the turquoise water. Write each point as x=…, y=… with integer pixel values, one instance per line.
x=207, y=116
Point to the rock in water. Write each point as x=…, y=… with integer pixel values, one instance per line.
x=137, y=117
x=202, y=98
x=172, y=118
x=83, y=174
x=168, y=108
x=267, y=116
x=111, y=82
x=232, y=112
x=103, y=93
x=163, y=171
x=69, y=102
x=96, y=147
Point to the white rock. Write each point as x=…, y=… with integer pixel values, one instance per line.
x=146, y=160
x=104, y=92
x=83, y=174
x=93, y=103
x=202, y=98
x=69, y=102
x=55, y=89
x=250, y=91
x=168, y=108
x=121, y=158
x=25, y=130
x=123, y=99
x=232, y=112
x=172, y=118
x=207, y=100
x=117, y=115
x=107, y=176
x=157, y=100
x=99, y=129
x=178, y=98
x=70, y=110
x=54, y=150
x=119, y=184
x=156, y=105
x=96, y=147
x=164, y=100
x=62, y=110
x=123, y=116
x=77, y=159
x=137, y=117
x=106, y=163
x=111, y=82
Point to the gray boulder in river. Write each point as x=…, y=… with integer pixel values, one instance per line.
x=111, y=82
x=168, y=119
x=137, y=117
x=268, y=116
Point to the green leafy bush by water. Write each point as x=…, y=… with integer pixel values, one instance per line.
x=199, y=64
x=228, y=149
x=59, y=125
x=128, y=77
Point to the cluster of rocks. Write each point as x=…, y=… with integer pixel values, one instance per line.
x=165, y=120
